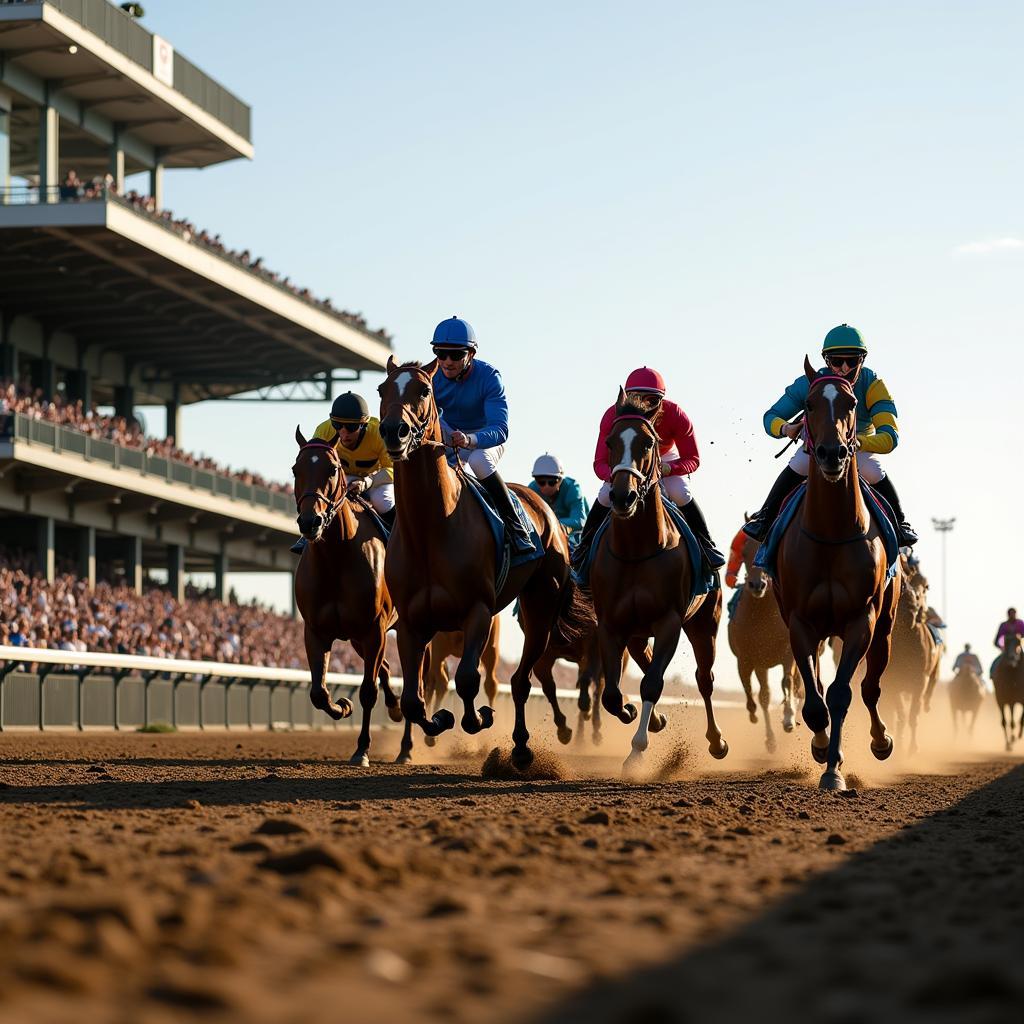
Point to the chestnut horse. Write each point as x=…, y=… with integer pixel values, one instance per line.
x=440, y=565
x=832, y=578
x=642, y=580
x=339, y=585
x=759, y=639
x=1008, y=682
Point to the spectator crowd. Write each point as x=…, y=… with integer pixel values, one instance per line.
x=116, y=429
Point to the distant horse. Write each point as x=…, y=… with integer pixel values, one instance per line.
x=832, y=578
x=914, y=663
x=441, y=563
x=450, y=645
x=642, y=581
x=1008, y=680
x=966, y=694
x=759, y=639
x=339, y=585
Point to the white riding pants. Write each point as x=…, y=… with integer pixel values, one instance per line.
x=675, y=488
x=868, y=466
x=382, y=497
x=482, y=461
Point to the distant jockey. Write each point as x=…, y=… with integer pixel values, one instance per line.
x=679, y=458
x=1009, y=627
x=969, y=660
x=877, y=433
x=474, y=416
x=735, y=557
x=561, y=492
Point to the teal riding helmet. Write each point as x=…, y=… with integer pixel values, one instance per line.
x=843, y=338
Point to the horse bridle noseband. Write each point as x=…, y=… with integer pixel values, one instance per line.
x=417, y=433
x=648, y=481
x=843, y=384
x=333, y=504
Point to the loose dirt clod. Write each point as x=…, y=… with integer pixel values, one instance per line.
x=544, y=767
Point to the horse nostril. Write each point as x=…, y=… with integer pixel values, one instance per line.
x=630, y=499
x=403, y=430
x=820, y=451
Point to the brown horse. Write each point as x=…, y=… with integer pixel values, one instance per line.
x=450, y=645
x=339, y=585
x=441, y=569
x=832, y=578
x=966, y=694
x=1008, y=681
x=914, y=662
x=759, y=639
x=641, y=578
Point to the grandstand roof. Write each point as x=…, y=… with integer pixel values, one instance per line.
x=107, y=74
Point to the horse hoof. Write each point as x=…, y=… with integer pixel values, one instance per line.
x=486, y=717
x=522, y=758
x=584, y=705
x=431, y=741
x=322, y=702
x=882, y=753
x=404, y=757
x=820, y=754
x=753, y=717
x=598, y=739
x=564, y=735
x=632, y=765
x=395, y=712
x=360, y=759
x=787, y=727
x=770, y=745
x=658, y=722
x=628, y=713
x=719, y=752
x=832, y=781
x=442, y=721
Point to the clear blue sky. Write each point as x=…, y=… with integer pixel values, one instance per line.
x=702, y=188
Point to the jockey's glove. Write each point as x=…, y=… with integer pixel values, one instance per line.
x=358, y=485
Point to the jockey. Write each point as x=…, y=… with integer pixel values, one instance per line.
x=1009, y=627
x=735, y=557
x=474, y=415
x=679, y=458
x=877, y=433
x=969, y=660
x=561, y=492
x=362, y=455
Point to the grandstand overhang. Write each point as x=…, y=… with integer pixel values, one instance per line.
x=182, y=315
x=100, y=71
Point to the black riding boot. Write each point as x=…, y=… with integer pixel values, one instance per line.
x=299, y=546
x=388, y=518
x=907, y=536
x=758, y=526
x=499, y=494
x=713, y=558
x=595, y=517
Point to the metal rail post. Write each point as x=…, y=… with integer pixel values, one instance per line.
x=118, y=676
x=147, y=678
x=80, y=676
x=44, y=671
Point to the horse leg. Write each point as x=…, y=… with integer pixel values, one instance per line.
x=702, y=630
x=765, y=697
x=435, y=687
x=912, y=716
x=788, y=686
x=856, y=640
x=367, y=700
x=746, y=670
x=666, y=640
x=542, y=670
x=467, y=676
x=877, y=660
x=318, y=655
x=612, y=648
x=489, y=664
x=412, y=651
x=815, y=713
x=392, y=701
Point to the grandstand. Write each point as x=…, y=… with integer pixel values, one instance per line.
x=109, y=300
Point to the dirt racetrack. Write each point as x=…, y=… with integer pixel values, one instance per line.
x=255, y=877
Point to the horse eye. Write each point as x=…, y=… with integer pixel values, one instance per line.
x=425, y=393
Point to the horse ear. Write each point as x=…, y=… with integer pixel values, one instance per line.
x=809, y=370
x=392, y=365
x=621, y=400
x=430, y=368
x=746, y=517
x=299, y=439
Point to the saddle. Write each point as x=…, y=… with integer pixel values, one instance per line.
x=505, y=559
x=878, y=508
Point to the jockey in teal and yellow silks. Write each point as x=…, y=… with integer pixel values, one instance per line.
x=877, y=430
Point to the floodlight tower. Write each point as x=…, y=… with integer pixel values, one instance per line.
x=944, y=527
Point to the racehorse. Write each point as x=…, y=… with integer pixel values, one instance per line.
x=436, y=677
x=832, y=578
x=339, y=585
x=440, y=565
x=642, y=580
x=1008, y=681
x=759, y=639
x=914, y=662
x=966, y=694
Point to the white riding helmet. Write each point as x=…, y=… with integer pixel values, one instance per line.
x=548, y=465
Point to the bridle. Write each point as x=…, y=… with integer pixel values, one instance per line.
x=647, y=481
x=417, y=431
x=333, y=502
x=844, y=385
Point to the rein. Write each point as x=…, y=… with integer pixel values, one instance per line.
x=643, y=489
x=844, y=385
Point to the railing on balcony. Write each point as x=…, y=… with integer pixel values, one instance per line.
x=66, y=440
x=127, y=36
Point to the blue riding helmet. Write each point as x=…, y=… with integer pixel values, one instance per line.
x=454, y=333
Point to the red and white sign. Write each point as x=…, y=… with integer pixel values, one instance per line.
x=163, y=61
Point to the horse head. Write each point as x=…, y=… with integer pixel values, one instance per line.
x=319, y=485
x=756, y=580
x=1012, y=650
x=633, y=455
x=407, y=408
x=830, y=419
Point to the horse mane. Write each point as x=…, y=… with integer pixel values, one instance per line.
x=628, y=408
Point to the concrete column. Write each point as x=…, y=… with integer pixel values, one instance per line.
x=5, y=142
x=8, y=353
x=44, y=376
x=87, y=554
x=49, y=153
x=117, y=163
x=156, y=185
x=220, y=571
x=124, y=401
x=133, y=563
x=176, y=571
x=80, y=387
x=46, y=548
x=173, y=410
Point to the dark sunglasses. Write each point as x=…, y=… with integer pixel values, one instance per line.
x=546, y=481
x=454, y=354
x=835, y=362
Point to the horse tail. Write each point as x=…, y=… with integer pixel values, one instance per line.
x=576, y=615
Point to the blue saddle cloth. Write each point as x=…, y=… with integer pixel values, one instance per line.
x=767, y=554
x=734, y=603
x=703, y=581
x=376, y=519
x=938, y=632
x=505, y=558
